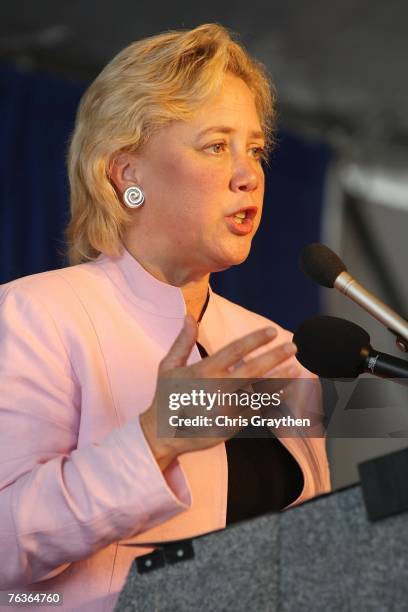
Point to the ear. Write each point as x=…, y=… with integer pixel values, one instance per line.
x=123, y=171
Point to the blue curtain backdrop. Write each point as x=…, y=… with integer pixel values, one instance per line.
x=36, y=117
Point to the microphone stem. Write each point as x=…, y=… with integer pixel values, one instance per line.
x=346, y=284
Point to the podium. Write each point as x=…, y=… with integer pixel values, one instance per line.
x=346, y=551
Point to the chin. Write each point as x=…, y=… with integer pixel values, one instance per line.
x=232, y=259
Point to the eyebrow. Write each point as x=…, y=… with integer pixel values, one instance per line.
x=224, y=129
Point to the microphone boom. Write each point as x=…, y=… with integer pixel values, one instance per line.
x=323, y=266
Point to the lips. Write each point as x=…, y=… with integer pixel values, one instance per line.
x=240, y=225
x=250, y=212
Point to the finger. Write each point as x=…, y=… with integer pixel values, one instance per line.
x=235, y=351
x=261, y=365
x=288, y=369
x=182, y=346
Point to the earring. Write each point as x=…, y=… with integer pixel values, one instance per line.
x=133, y=197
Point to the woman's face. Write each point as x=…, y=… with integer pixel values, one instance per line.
x=196, y=176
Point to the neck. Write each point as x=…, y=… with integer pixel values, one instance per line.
x=194, y=286
x=195, y=296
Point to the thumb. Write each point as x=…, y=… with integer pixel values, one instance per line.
x=182, y=346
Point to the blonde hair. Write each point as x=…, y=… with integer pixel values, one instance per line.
x=146, y=86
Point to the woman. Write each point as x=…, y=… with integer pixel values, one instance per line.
x=167, y=185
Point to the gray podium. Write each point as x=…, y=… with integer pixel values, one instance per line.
x=342, y=552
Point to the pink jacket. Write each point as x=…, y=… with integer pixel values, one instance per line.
x=80, y=349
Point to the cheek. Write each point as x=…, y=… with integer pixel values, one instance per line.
x=182, y=173
x=260, y=191
x=201, y=176
x=197, y=187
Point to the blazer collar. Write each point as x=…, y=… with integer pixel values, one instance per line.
x=149, y=293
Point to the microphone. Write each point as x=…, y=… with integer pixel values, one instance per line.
x=322, y=265
x=335, y=348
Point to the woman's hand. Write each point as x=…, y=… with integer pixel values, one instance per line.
x=225, y=364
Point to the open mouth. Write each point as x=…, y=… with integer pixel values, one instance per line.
x=244, y=213
x=239, y=217
x=241, y=221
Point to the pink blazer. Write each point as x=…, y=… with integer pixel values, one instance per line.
x=80, y=349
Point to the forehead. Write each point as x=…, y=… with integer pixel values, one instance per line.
x=231, y=110
x=233, y=104
x=233, y=101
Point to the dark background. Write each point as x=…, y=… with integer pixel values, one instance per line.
x=340, y=72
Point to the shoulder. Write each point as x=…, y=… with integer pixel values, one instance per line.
x=239, y=321
x=239, y=318
x=52, y=287
x=48, y=307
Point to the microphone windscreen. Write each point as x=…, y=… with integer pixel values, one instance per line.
x=331, y=347
x=321, y=264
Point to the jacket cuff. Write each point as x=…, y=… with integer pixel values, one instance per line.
x=166, y=493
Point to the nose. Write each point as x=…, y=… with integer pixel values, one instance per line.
x=247, y=174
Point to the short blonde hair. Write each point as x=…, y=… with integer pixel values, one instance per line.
x=146, y=86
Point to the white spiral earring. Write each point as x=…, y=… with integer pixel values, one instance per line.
x=133, y=196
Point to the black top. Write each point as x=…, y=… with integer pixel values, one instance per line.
x=262, y=475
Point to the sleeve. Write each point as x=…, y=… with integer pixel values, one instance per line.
x=59, y=504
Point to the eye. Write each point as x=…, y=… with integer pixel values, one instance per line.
x=258, y=153
x=217, y=147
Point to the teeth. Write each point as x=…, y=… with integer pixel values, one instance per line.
x=239, y=217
